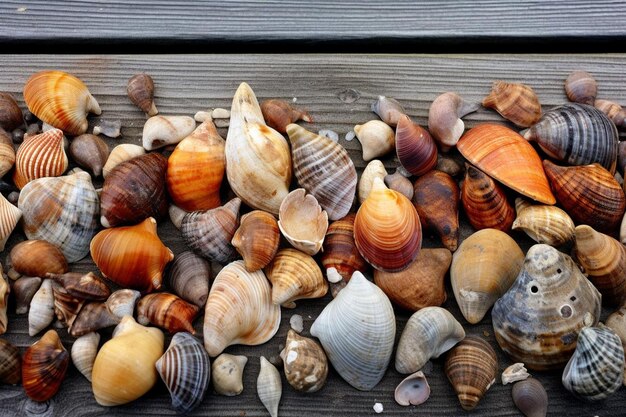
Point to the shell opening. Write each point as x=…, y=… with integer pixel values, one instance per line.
x=566, y=311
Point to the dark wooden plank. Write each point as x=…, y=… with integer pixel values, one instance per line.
x=188, y=83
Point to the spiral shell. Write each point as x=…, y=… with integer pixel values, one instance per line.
x=9, y=216
x=340, y=256
x=530, y=397
x=44, y=367
x=376, y=137
x=168, y=312
x=304, y=362
x=279, y=114
x=444, y=119
x=189, y=276
x=119, y=154
x=269, y=388
x=415, y=148
x=10, y=363
x=24, y=289
x=40, y=156
x=122, y=302
x=7, y=152
x=544, y=224
x=160, y=131
x=84, y=351
x=10, y=113
x=41, y=312
x=515, y=102
x=388, y=109
x=35, y=258
x=302, y=221
x=581, y=87
x=375, y=169
x=92, y=317
x=90, y=152
x=140, y=90
x=257, y=239
x=227, y=374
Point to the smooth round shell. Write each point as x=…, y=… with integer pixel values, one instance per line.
x=413, y=390
x=10, y=113
x=376, y=137
x=581, y=87
x=35, y=258
x=227, y=374
x=89, y=152
x=530, y=397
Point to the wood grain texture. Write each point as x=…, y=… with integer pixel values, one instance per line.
x=188, y=83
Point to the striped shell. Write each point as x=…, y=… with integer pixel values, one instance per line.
x=257, y=239
x=581, y=87
x=10, y=363
x=167, y=311
x=614, y=111
x=40, y=156
x=515, y=102
x=188, y=276
x=44, y=366
x=9, y=216
x=544, y=224
x=5, y=289
x=269, y=387
x=119, y=154
x=485, y=202
x=415, y=148
x=140, y=90
x=7, y=151
x=339, y=252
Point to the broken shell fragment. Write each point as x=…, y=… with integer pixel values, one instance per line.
x=514, y=373
x=413, y=390
x=302, y=221
x=160, y=131
x=109, y=128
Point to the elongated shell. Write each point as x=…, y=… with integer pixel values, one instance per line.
x=415, y=148
x=357, y=330
x=302, y=221
x=84, y=351
x=189, y=276
x=515, y=102
x=119, y=154
x=252, y=319
x=279, y=114
x=538, y=320
x=444, y=119
x=227, y=374
x=61, y=100
x=9, y=216
x=185, y=368
x=7, y=151
x=167, y=311
x=376, y=137
x=413, y=390
x=544, y=224
x=41, y=312
x=581, y=87
x=257, y=239
x=530, y=397
x=577, y=134
x=122, y=302
x=132, y=256
x=44, y=367
x=304, y=362
x=596, y=370
x=40, y=156
x=92, y=317
x=5, y=289
x=35, y=258
x=10, y=363
x=258, y=159
x=375, y=169
x=24, y=288
x=89, y=152
x=428, y=334
x=160, y=131
x=196, y=168
x=87, y=286
x=388, y=109
x=339, y=252
x=140, y=90
x=268, y=386
x=485, y=202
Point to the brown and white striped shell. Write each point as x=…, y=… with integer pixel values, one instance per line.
x=167, y=311
x=257, y=239
x=40, y=156
x=515, y=102
x=9, y=216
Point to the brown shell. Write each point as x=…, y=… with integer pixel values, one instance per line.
x=515, y=102
x=87, y=286
x=66, y=307
x=10, y=363
x=415, y=148
x=140, y=90
x=189, y=276
x=7, y=152
x=40, y=156
x=581, y=87
x=89, y=152
x=257, y=239
x=279, y=113
x=91, y=318
x=399, y=183
x=35, y=258
x=304, y=362
x=339, y=250
x=614, y=111
x=44, y=367
x=10, y=113
x=23, y=289
x=168, y=312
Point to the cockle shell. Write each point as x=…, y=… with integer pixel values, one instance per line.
x=40, y=156
x=304, y=362
x=388, y=109
x=119, y=154
x=399, y=183
x=514, y=373
x=387, y=229
x=44, y=366
x=357, y=330
x=376, y=137
x=577, y=134
x=413, y=390
x=483, y=268
x=530, y=397
x=375, y=169
x=124, y=369
x=92, y=317
x=538, y=319
x=122, y=302
x=35, y=258
x=7, y=151
x=61, y=100
x=9, y=216
x=581, y=87
x=87, y=286
x=188, y=276
x=596, y=369
x=544, y=224
x=268, y=386
x=416, y=149
x=66, y=307
x=10, y=113
x=515, y=102
x=504, y=155
x=444, y=119
x=41, y=312
x=614, y=111
x=302, y=221
x=209, y=233
x=10, y=363
x=471, y=367
x=428, y=334
x=279, y=114
x=140, y=90
x=89, y=152
x=227, y=374
x=160, y=131
x=258, y=159
x=132, y=256
x=24, y=288
x=167, y=311
x=5, y=289
x=324, y=169
x=239, y=310
x=257, y=239
x=185, y=369
x=340, y=256
x=84, y=351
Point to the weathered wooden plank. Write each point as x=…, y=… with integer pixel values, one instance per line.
x=186, y=84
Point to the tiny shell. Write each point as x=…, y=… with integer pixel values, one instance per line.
x=304, y=362
x=388, y=109
x=413, y=390
x=10, y=363
x=257, y=239
x=302, y=221
x=374, y=169
x=515, y=102
x=84, y=351
x=40, y=156
x=530, y=397
x=269, y=388
x=44, y=367
x=119, y=154
x=35, y=258
x=160, y=131
x=544, y=224
x=444, y=119
x=168, y=312
x=514, y=373
x=227, y=374
x=581, y=87
x=188, y=276
x=279, y=113
x=89, y=152
x=376, y=137
x=140, y=90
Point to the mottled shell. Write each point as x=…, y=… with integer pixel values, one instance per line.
x=388, y=109
x=614, y=111
x=375, y=169
x=84, y=351
x=538, y=320
x=339, y=252
x=413, y=390
x=530, y=397
x=515, y=102
x=302, y=221
x=279, y=114
x=92, y=317
x=119, y=154
x=35, y=258
x=257, y=239
x=544, y=224
x=89, y=152
x=40, y=156
x=10, y=363
x=87, y=286
x=189, y=276
x=167, y=311
x=122, y=302
x=140, y=90
x=10, y=113
x=227, y=374
x=581, y=87
x=41, y=312
x=269, y=387
x=160, y=131
x=44, y=366
x=416, y=149
x=23, y=289
x=9, y=216
x=7, y=151
x=376, y=137
x=444, y=119
x=304, y=363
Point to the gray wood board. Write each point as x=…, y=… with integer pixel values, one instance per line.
x=188, y=83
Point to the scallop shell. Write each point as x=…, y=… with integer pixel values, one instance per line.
x=279, y=114
x=35, y=258
x=544, y=224
x=413, y=390
x=444, y=119
x=9, y=216
x=122, y=302
x=416, y=149
x=10, y=363
x=92, y=317
x=269, y=388
x=119, y=154
x=44, y=367
x=10, y=113
x=227, y=374
x=302, y=221
x=160, y=131
x=388, y=109
x=189, y=276
x=375, y=169
x=257, y=239
x=7, y=152
x=87, y=286
x=84, y=351
x=340, y=256
x=376, y=137
x=90, y=152
x=515, y=102
x=304, y=362
x=24, y=289
x=530, y=397
x=140, y=90
x=581, y=87
x=357, y=330
x=167, y=311
x=41, y=312
x=40, y=156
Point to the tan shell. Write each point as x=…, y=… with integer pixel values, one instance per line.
x=5, y=289
x=444, y=119
x=304, y=362
x=160, y=131
x=302, y=221
x=375, y=169
x=515, y=102
x=376, y=137
x=9, y=216
x=41, y=312
x=268, y=386
x=35, y=258
x=227, y=374
x=40, y=156
x=257, y=239
x=544, y=224
x=7, y=152
x=119, y=154
x=84, y=351
x=514, y=373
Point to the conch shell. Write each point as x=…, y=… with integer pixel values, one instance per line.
x=302, y=221
x=40, y=156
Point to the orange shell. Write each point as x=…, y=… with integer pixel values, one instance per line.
x=44, y=366
x=507, y=157
x=167, y=311
x=339, y=250
x=40, y=156
x=515, y=102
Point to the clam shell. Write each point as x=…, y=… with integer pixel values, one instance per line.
x=41, y=312
x=44, y=367
x=257, y=239
x=376, y=137
x=530, y=397
x=122, y=302
x=279, y=114
x=302, y=221
x=92, y=317
x=544, y=224
x=5, y=289
x=168, y=312
x=416, y=149
x=140, y=90
x=357, y=330
x=189, y=276
x=413, y=390
x=268, y=386
x=89, y=152
x=84, y=351
x=10, y=113
x=304, y=362
x=24, y=288
x=10, y=363
x=7, y=152
x=375, y=169
x=35, y=258
x=119, y=154
x=388, y=109
x=87, y=286
x=160, y=131
x=9, y=216
x=40, y=156
x=515, y=102
x=581, y=87
x=227, y=374
x=444, y=119
x=339, y=252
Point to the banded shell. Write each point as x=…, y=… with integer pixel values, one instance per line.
x=92, y=317
x=24, y=288
x=376, y=137
x=302, y=221
x=160, y=131
x=413, y=390
x=416, y=149
x=515, y=102
x=357, y=330
x=7, y=152
x=304, y=363
x=119, y=154
x=87, y=286
x=10, y=113
x=10, y=363
x=122, y=302
x=40, y=156
x=269, y=388
x=227, y=374
x=544, y=224
x=84, y=351
x=530, y=397
x=89, y=152
x=189, y=276
x=35, y=258
x=41, y=312
x=168, y=312
x=614, y=111
x=340, y=256
x=581, y=87
x=140, y=90
x=375, y=169
x=279, y=114
x=9, y=216
x=44, y=366
x=257, y=239
x=444, y=119
x=388, y=109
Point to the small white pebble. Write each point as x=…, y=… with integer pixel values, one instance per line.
x=378, y=407
x=330, y=134
x=350, y=135
x=202, y=116
x=296, y=323
x=220, y=114
x=221, y=122
x=21, y=9
x=333, y=276
x=294, y=99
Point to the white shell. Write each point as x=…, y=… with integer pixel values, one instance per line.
x=514, y=373
x=413, y=390
x=302, y=221
x=9, y=216
x=268, y=386
x=41, y=312
x=84, y=351
x=122, y=302
x=160, y=131
x=227, y=374
x=375, y=169
x=119, y=154
x=376, y=137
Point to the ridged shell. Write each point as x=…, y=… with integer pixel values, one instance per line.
x=10, y=113
x=189, y=276
x=376, y=137
x=24, y=289
x=304, y=363
x=505, y=156
x=89, y=152
x=538, y=320
x=44, y=366
x=41, y=312
x=84, y=351
x=324, y=169
x=279, y=114
x=9, y=216
x=485, y=202
x=544, y=224
x=581, y=87
x=185, y=368
x=375, y=169
x=7, y=151
x=444, y=119
x=257, y=239
x=302, y=221
x=530, y=397
x=388, y=109
x=92, y=317
x=140, y=90
x=122, y=302
x=416, y=149
x=357, y=330
x=35, y=258
x=168, y=312
x=10, y=363
x=268, y=386
x=40, y=156
x=239, y=310
x=87, y=286
x=61, y=100
x=5, y=289
x=614, y=111
x=119, y=154
x=515, y=102
x=160, y=131
x=227, y=374
x=339, y=252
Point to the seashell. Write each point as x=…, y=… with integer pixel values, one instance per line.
x=227, y=374
x=119, y=154
x=399, y=183
x=340, y=256
x=122, y=302
x=324, y=169
x=92, y=317
x=160, y=131
x=616, y=321
x=538, y=319
x=505, y=156
x=376, y=137
x=87, y=286
x=413, y=390
x=449, y=165
x=10, y=113
x=578, y=135
x=9, y=216
x=305, y=363
x=176, y=215
x=124, y=369
x=515, y=102
x=167, y=311
x=24, y=289
x=279, y=113
x=388, y=109
x=239, y=310
x=530, y=397
x=302, y=221
x=40, y=156
x=257, y=239
x=110, y=128
x=614, y=111
x=10, y=363
x=257, y=156
x=196, y=168
x=140, y=90
x=84, y=351
x=428, y=334
x=471, y=367
x=375, y=169
x=514, y=373
x=581, y=87
x=35, y=258
x=134, y=190
x=209, y=233
x=5, y=289
x=44, y=366
x=444, y=119
x=7, y=152
x=357, y=330
x=131, y=256
x=41, y=312
x=421, y=284
x=485, y=202
x=189, y=276
x=483, y=269
x=589, y=194
x=268, y=386
x=89, y=152
x=62, y=211
x=544, y=224
x=436, y=199
x=604, y=261
x=61, y=100
x=186, y=370
x=66, y=307
x=596, y=369
x=416, y=149
x=295, y=276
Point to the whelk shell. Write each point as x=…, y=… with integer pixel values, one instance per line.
x=227, y=374
x=9, y=216
x=89, y=152
x=40, y=156
x=10, y=113
x=87, y=286
x=188, y=276
x=581, y=87
x=257, y=239
x=7, y=152
x=416, y=149
x=35, y=258
x=515, y=102
x=614, y=111
x=168, y=312
x=444, y=119
x=388, y=109
x=302, y=221
x=160, y=131
x=340, y=256
x=122, y=302
x=278, y=114
x=530, y=397
x=375, y=169
x=41, y=312
x=304, y=362
x=84, y=351
x=24, y=288
x=92, y=317
x=268, y=386
x=119, y=154
x=413, y=390
x=10, y=363
x=376, y=137
x=140, y=90
x=44, y=367
x=544, y=224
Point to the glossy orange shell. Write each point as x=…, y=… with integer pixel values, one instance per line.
x=40, y=156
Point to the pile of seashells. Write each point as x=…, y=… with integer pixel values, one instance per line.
x=545, y=311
